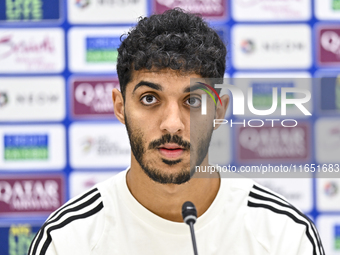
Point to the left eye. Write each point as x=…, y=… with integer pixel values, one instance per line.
x=148, y=100
x=194, y=102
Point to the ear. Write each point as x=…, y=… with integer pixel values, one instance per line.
x=118, y=105
x=221, y=109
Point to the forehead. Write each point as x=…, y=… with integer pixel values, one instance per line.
x=167, y=79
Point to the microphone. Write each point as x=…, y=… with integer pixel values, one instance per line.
x=189, y=215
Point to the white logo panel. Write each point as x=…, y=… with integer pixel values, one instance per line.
x=271, y=46
x=327, y=9
x=106, y=11
x=262, y=90
x=94, y=49
x=297, y=191
x=32, y=50
x=328, y=191
x=32, y=147
x=32, y=99
x=99, y=146
x=329, y=230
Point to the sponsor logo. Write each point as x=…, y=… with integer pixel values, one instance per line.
x=93, y=98
x=283, y=46
x=274, y=143
x=101, y=145
x=337, y=237
x=329, y=46
x=31, y=194
x=82, y=3
x=31, y=50
x=271, y=10
x=26, y=147
x=257, y=49
x=29, y=10
x=247, y=46
x=209, y=9
x=37, y=99
x=3, y=99
x=17, y=238
x=10, y=48
x=32, y=99
x=331, y=188
x=102, y=49
x=32, y=147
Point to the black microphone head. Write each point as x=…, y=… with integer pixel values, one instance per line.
x=189, y=212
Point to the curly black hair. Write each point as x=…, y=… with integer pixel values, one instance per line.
x=175, y=39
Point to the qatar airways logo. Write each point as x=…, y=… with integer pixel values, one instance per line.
x=239, y=104
x=8, y=47
x=330, y=41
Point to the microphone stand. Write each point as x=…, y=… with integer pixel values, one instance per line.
x=191, y=224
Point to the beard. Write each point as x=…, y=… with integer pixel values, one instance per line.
x=138, y=149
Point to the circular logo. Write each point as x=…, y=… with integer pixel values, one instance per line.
x=247, y=46
x=331, y=189
x=3, y=99
x=82, y=3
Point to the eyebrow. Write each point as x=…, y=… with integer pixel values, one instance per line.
x=157, y=86
x=148, y=84
x=194, y=87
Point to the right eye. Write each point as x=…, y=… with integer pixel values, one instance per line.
x=149, y=100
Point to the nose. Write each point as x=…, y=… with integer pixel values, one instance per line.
x=172, y=120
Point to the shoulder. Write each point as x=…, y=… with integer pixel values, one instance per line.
x=77, y=224
x=279, y=226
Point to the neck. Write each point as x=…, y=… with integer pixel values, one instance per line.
x=166, y=200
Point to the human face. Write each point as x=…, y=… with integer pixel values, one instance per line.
x=158, y=106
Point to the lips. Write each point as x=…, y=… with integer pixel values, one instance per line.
x=171, y=151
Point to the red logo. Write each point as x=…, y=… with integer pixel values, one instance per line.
x=329, y=46
x=8, y=47
x=92, y=97
x=274, y=144
x=31, y=194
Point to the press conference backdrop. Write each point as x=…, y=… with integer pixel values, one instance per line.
x=59, y=135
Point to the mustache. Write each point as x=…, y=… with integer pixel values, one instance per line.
x=169, y=139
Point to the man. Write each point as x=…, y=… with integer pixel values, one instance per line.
x=139, y=210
